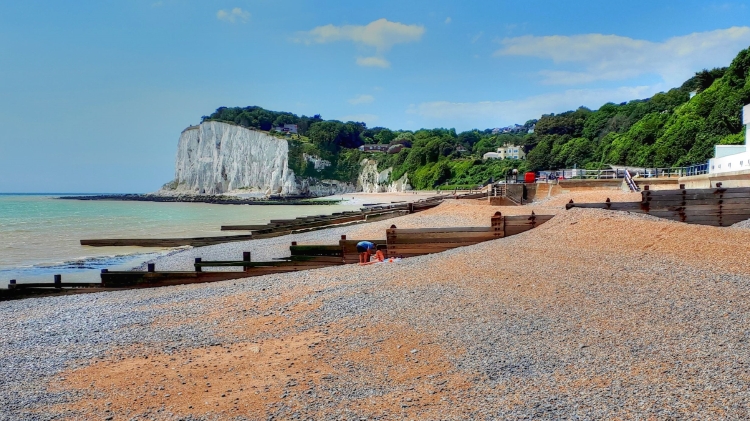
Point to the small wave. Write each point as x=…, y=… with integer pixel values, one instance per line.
x=94, y=263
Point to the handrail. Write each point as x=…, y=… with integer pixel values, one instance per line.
x=630, y=181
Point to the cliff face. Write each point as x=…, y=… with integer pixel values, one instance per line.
x=371, y=180
x=215, y=158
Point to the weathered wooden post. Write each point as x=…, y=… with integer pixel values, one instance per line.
x=12, y=284
x=58, y=281
x=151, y=267
x=390, y=241
x=294, y=243
x=198, y=268
x=343, y=236
x=646, y=187
x=246, y=258
x=498, y=225
x=682, y=187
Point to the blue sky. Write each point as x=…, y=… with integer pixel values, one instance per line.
x=93, y=95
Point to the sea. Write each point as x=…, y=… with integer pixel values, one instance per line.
x=40, y=234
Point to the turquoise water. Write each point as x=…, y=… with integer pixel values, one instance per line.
x=40, y=234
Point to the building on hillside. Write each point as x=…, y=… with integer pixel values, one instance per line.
x=506, y=152
x=287, y=128
x=393, y=149
x=461, y=149
x=730, y=158
x=511, y=152
x=374, y=148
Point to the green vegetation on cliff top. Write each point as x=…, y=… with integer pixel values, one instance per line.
x=668, y=129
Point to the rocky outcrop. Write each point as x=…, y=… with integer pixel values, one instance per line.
x=371, y=180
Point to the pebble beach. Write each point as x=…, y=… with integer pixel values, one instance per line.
x=593, y=315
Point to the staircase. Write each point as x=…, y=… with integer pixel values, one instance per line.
x=631, y=184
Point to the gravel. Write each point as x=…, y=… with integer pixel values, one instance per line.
x=593, y=315
x=742, y=224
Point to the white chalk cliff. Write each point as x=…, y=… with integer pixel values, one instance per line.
x=215, y=158
x=371, y=180
x=218, y=158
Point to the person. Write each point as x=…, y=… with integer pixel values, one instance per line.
x=379, y=255
x=365, y=249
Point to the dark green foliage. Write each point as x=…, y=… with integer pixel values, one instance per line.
x=333, y=135
x=378, y=135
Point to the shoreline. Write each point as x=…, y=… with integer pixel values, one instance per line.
x=211, y=199
x=362, y=198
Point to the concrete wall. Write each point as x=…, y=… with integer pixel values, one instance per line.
x=727, y=179
x=501, y=201
x=584, y=185
x=729, y=163
x=658, y=183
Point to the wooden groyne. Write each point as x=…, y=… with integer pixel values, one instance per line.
x=398, y=243
x=166, y=242
x=719, y=207
x=276, y=228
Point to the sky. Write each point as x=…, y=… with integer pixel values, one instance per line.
x=94, y=95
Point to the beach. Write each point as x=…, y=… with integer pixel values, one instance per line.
x=593, y=315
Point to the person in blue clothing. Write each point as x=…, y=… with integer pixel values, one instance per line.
x=365, y=249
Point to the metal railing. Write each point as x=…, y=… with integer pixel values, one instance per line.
x=605, y=174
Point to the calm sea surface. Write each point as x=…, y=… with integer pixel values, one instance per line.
x=39, y=234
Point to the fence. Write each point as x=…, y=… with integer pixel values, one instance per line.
x=616, y=173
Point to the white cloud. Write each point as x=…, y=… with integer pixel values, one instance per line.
x=362, y=99
x=476, y=37
x=368, y=119
x=380, y=34
x=373, y=62
x=233, y=16
x=484, y=114
x=614, y=57
x=448, y=20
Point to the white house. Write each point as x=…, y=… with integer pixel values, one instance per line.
x=729, y=158
x=511, y=152
x=506, y=152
